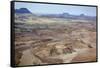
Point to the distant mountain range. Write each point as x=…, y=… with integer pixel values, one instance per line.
x=63, y=15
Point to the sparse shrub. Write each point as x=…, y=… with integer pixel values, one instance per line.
x=54, y=51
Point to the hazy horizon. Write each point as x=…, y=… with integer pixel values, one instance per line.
x=39, y=8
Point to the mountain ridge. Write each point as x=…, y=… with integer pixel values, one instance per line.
x=62, y=15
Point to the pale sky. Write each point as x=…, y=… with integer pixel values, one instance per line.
x=56, y=9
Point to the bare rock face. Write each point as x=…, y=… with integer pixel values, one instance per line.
x=86, y=56
x=54, y=51
x=18, y=55
x=45, y=54
x=46, y=60
x=68, y=50
x=53, y=60
x=45, y=51
x=50, y=40
x=83, y=38
x=90, y=46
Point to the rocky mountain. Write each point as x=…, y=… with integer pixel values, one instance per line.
x=70, y=16
x=22, y=10
x=62, y=15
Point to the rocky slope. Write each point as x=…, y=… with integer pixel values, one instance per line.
x=53, y=40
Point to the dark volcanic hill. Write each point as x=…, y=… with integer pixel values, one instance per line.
x=22, y=10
